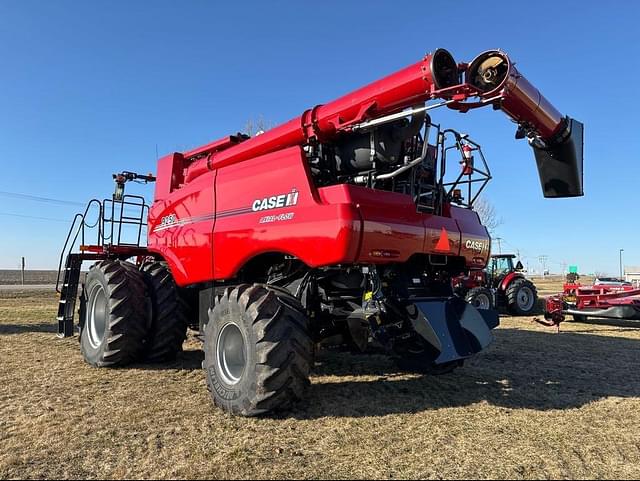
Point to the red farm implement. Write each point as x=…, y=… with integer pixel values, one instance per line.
x=598, y=301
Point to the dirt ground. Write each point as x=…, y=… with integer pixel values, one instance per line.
x=535, y=405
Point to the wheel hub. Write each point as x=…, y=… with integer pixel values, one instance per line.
x=482, y=302
x=525, y=298
x=98, y=313
x=230, y=352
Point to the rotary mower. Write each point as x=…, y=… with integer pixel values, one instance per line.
x=607, y=301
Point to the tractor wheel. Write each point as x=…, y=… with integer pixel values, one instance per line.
x=169, y=314
x=480, y=298
x=522, y=297
x=258, y=350
x=116, y=314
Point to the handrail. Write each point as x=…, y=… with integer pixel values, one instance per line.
x=104, y=238
x=81, y=229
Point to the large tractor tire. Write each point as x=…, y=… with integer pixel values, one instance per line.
x=116, y=314
x=480, y=298
x=522, y=297
x=258, y=350
x=169, y=314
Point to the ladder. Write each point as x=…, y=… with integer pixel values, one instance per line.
x=68, y=294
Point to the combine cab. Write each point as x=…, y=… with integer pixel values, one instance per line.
x=342, y=226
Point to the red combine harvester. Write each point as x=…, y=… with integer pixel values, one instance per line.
x=337, y=226
x=611, y=301
x=501, y=284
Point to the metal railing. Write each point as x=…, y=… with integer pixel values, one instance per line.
x=108, y=226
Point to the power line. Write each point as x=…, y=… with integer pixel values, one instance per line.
x=48, y=200
x=34, y=217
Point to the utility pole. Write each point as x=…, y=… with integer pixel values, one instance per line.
x=543, y=263
x=499, y=241
x=621, y=270
x=23, y=270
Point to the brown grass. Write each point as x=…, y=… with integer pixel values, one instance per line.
x=535, y=405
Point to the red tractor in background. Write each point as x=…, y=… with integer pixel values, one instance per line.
x=501, y=285
x=343, y=225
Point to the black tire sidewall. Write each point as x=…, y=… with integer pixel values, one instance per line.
x=476, y=292
x=512, y=296
x=234, y=397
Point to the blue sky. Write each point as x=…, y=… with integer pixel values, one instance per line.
x=91, y=88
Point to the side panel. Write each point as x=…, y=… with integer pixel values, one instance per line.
x=180, y=230
x=475, y=243
x=393, y=230
x=268, y=204
x=214, y=225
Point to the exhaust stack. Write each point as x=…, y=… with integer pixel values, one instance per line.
x=557, y=141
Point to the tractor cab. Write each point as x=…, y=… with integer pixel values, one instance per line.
x=501, y=266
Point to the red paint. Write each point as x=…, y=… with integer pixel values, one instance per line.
x=332, y=225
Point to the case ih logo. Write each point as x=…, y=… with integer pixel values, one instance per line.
x=477, y=246
x=275, y=202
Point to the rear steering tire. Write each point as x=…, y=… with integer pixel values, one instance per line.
x=258, y=350
x=115, y=314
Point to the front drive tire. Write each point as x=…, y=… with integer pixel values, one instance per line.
x=480, y=298
x=258, y=350
x=116, y=314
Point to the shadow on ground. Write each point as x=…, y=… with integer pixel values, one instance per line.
x=523, y=370
x=12, y=329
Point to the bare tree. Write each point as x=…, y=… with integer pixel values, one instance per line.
x=257, y=126
x=488, y=215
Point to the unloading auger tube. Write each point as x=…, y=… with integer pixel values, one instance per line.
x=490, y=79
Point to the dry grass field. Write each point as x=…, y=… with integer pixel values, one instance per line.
x=535, y=405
